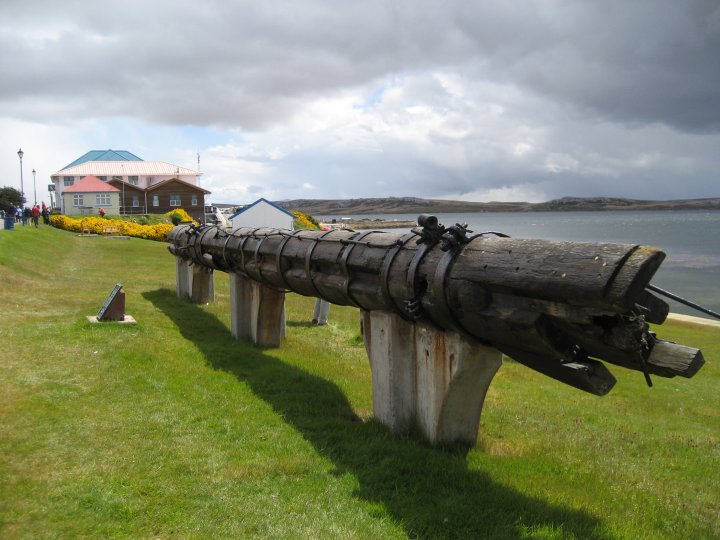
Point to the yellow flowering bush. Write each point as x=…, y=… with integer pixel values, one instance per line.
x=127, y=228
x=179, y=215
x=304, y=221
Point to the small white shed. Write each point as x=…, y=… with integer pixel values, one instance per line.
x=262, y=213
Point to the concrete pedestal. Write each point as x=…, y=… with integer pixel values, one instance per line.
x=194, y=282
x=425, y=377
x=257, y=312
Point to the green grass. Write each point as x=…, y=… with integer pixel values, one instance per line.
x=172, y=428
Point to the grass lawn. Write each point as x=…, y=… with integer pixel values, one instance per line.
x=171, y=428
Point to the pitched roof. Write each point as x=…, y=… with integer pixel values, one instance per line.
x=126, y=168
x=125, y=186
x=90, y=184
x=104, y=155
x=170, y=180
x=261, y=200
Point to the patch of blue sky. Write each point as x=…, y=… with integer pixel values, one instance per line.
x=375, y=96
x=143, y=138
x=204, y=137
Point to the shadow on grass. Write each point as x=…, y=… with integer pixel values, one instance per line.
x=300, y=324
x=429, y=491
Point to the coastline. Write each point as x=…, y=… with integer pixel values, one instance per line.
x=414, y=205
x=695, y=322
x=367, y=223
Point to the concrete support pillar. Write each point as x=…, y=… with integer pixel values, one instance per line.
x=433, y=379
x=194, y=282
x=183, y=275
x=203, y=285
x=390, y=348
x=257, y=312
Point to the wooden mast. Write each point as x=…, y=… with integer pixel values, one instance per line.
x=557, y=307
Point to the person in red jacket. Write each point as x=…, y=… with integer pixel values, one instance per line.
x=35, y=215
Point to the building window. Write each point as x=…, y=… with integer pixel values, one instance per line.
x=117, y=178
x=193, y=200
x=103, y=178
x=68, y=181
x=156, y=200
x=174, y=200
x=78, y=200
x=102, y=199
x=135, y=201
x=150, y=180
x=133, y=180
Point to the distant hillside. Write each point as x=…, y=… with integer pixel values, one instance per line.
x=414, y=205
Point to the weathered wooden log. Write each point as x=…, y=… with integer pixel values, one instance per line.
x=557, y=307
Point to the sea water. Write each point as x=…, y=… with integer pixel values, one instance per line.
x=690, y=239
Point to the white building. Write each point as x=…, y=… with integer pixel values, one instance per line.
x=262, y=213
x=120, y=166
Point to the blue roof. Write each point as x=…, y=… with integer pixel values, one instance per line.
x=249, y=206
x=104, y=155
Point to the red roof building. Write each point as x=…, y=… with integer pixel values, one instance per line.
x=90, y=194
x=91, y=184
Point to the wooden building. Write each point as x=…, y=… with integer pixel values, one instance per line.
x=162, y=197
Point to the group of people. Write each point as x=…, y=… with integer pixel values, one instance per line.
x=23, y=215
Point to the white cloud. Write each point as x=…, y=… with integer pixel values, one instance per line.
x=556, y=163
x=521, y=149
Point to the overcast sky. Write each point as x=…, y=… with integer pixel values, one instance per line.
x=492, y=100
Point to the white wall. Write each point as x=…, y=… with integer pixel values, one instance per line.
x=262, y=215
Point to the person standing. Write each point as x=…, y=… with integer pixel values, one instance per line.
x=321, y=311
x=35, y=215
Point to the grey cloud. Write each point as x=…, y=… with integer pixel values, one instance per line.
x=630, y=62
x=248, y=63
x=608, y=96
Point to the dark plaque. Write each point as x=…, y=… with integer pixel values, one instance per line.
x=113, y=309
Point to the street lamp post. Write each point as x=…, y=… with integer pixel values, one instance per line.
x=34, y=187
x=22, y=189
